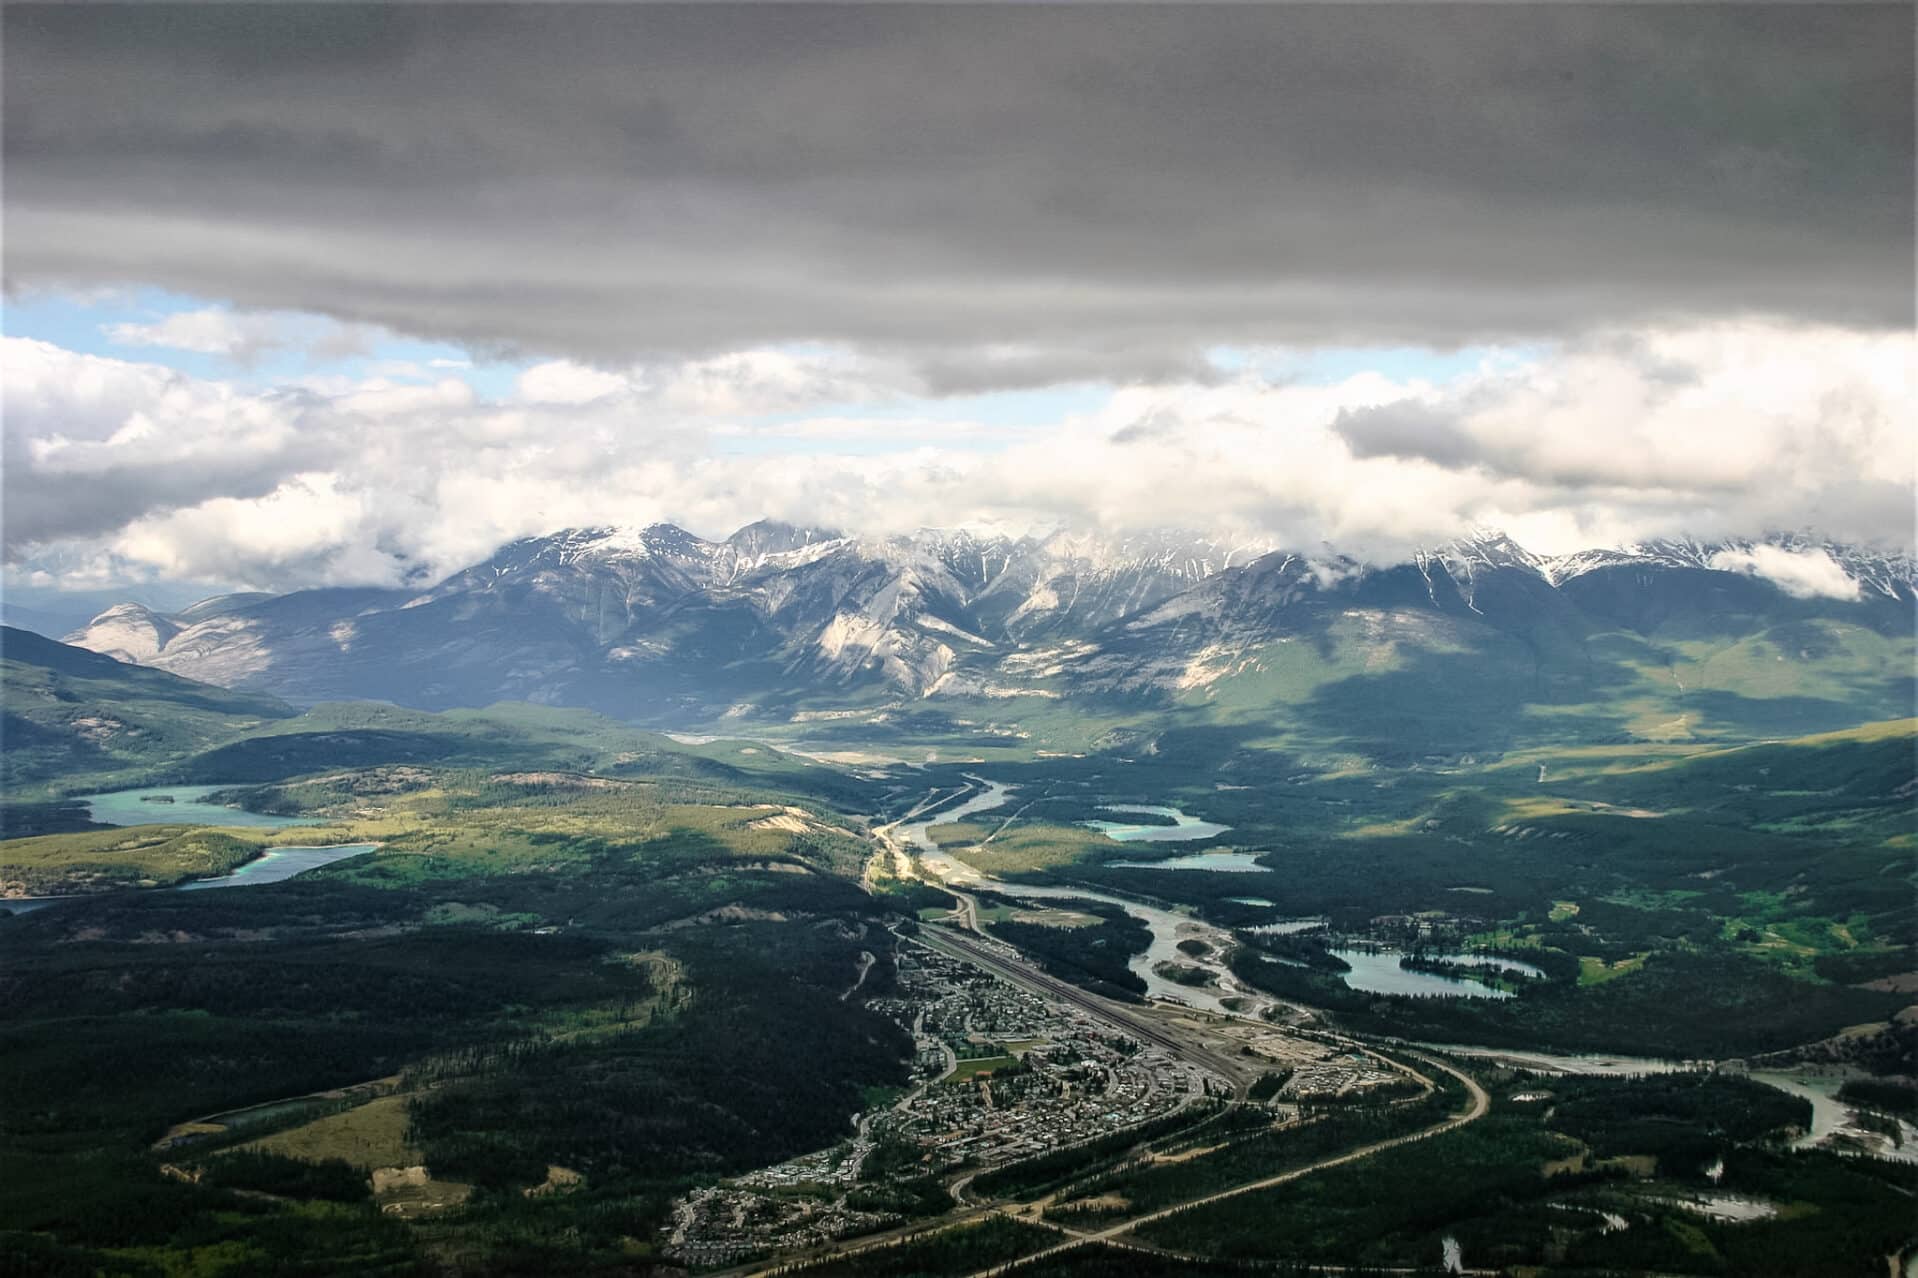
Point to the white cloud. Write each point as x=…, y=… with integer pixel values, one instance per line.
x=93, y=443
x=305, y=521
x=205, y=332
x=738, y=384
x=242, y=336
x=1802, y=574
x=564, y=382
x=1719, y=433
x=775, y=381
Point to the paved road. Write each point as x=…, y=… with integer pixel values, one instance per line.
x=960, y=946
x=1116, y=1235
x=1481, y=1103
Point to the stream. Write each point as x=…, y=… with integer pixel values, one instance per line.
x=1375, y=969
x=1168, y=927
x=1832, y=1120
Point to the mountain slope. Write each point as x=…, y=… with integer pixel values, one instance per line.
x=655, y=621
x=1669, y=640
x=69, y=712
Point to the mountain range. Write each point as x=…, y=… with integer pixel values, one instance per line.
x=777, y=622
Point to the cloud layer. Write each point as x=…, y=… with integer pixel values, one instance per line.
x=729, y=261
x=115, y=468
x=997, y=195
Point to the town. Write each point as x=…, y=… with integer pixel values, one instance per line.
x=999, y=1074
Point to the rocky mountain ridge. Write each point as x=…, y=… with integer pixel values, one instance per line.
x=657, y=622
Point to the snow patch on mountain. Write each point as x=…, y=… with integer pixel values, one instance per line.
x=1800, y=566
x=930, y=622
x=1041, y=599
x=659, y=619
x=954, y=684
x=1190, y=604
x=1215, y=662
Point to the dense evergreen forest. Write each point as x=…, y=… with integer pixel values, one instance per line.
x=518, y=958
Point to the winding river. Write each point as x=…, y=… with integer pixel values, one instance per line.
x=275, y=865
x=1168, y=927
x=1831, y=1118
x=1376, y=970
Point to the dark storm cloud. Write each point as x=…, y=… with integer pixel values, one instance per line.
x=1002, y=195
x=1409, y=429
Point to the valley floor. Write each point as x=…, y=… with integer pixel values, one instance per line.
x=578, y=998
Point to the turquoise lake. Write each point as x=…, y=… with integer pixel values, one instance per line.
x=176, y=805
x=278, y=865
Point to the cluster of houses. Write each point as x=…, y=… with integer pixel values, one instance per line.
x=999, y=1074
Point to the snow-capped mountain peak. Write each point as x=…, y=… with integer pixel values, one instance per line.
x=655, y=616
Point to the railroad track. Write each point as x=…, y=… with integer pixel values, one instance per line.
x=980, y=955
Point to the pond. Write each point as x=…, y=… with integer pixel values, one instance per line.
x=1286, y=927
x=1183, y=830
x=1495, y=962
x=1728, y=1208
x=1380, y=972
x=176, y=805
x=1219, y=861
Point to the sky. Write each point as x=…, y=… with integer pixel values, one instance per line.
x=344, y=295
